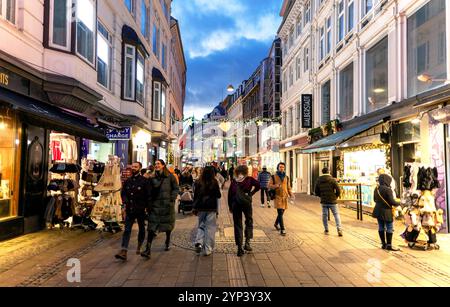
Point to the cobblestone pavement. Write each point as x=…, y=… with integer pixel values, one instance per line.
x=305, y=257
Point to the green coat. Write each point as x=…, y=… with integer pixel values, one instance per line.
x=162, y=208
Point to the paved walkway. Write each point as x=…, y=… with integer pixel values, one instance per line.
x=305, y=257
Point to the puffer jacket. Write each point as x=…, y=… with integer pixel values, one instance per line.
x=205, y=198
x=264, y=178
x=383, y=208
x=161, y=212
x=327, y=189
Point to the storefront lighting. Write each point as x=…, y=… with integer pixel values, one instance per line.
x=3, y=125
x=17, y=142
x=379, y=90
x=416, y=121
x=142, y=138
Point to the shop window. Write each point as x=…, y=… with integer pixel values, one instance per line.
x=426, y=47
x=377, y=76
x=8, y=10
x=9, y=165
x=346, y=93
x=104, y=56
x=86, y=27
x=100, y=151
x=325, y=118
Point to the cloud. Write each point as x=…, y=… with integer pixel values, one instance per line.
x=216, y=41
x=198, y=111
x=263, y=30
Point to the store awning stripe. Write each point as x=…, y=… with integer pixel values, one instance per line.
x=330, y=142
x=52, y=117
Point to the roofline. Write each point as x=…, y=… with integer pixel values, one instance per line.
x=177, y=25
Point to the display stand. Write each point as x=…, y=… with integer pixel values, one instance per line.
x=352, y=193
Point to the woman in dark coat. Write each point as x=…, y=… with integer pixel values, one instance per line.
x=240, y=196
x=161, y=211
x=384, y=202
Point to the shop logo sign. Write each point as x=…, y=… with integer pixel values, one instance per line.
x=4, y=79
x=307, y=111
x=119, y=134
x=74, y=274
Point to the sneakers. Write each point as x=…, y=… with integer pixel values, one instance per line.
x=262, y=205
x=240, y=252
x=167, y=248
x=340, y=233
x=276, y=227
x=122, y=255
x=283, y=232
x=326, y=232
x=198, y=248
x=268, y=204
x=247, y=247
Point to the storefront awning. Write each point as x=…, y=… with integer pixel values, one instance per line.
x=51, y=117
x=330, y=142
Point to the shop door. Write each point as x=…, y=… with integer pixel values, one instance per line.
x=35, y=176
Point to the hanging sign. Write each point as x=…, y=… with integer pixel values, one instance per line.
x=307, y=111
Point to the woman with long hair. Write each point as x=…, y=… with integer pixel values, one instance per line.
x=206, y=195
x=161, y=211
x=240, y=194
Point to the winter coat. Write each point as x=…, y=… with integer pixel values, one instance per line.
x=246, y=185
x=206, y=200
x=382, y=210
x=281, y=193
x=327, y=189
x=264, y=178
x=136, y=194
x=162, y=208
x=186, y=179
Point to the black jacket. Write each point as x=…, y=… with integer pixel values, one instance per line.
x=206, y=199
x=186, y=179
x=382, y=210
x=136, y=194
x=327, y=189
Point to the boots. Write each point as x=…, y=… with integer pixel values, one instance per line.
x=138, y=249
x=147, y=252
x=382, y=235
x=122, y=255
x=389, y=246
x=247, y=246
x=240, y=251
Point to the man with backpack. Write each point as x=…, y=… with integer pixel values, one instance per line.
x=264, y=178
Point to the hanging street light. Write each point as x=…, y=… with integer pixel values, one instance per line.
x=230, y=88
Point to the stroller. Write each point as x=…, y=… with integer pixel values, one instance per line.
x=186, y=201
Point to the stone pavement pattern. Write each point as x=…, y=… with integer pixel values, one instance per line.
x=305, y=257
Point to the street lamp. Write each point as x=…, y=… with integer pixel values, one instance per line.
x=429, y=79
x=230, y=88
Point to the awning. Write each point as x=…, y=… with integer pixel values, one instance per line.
x=51, y=117
x=330, y=142
x=130, y=36
x=158, y=76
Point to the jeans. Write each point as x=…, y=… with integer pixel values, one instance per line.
x=335, y=210
x=238, y=210
x=206, y=232
x=130, y=218
x=279, y=220
x=385, y=226
x=264, y=191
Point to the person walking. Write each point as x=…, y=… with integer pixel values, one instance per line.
x=136, y=196
x=281, y=184
x=384, y=203
x=231, y=172
x=206, y=195
x=264, y=179
x=186, y=179
x=240, y=196
x=161, y=211
x=328, y=190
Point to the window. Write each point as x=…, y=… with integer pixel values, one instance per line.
x=322, y=44
x=298, y=67
x=291, y=37
x=284, y=82
x=140, y=77
x=60, y=25
x=163, y=104
x=377, y=76
x=130, y=5
x=129, y=76
x=86, y=25
x=351, y=15
x=291, y=76
x=156, y=40
x=299, y=117
x=368, y=5
x=144, y=24
x=306, y=59
x=341, y=24
x=104, y=56
x=164, y=57
x=427, y=52
x=326, y=103
x=165, y=9
x=346, y=93
x=291, y=121
x=299, y=25
x=328, y=35
x=8, y=10
x=284, y=126
x=157, y=101
x=307, y=12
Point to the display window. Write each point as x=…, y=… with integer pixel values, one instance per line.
x=10, y=135
x=100, y=151
x=363, y=165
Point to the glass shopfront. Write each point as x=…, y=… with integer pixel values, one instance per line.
x=101, y=151
x=9, y=164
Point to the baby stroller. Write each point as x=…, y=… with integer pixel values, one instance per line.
x=186, y=201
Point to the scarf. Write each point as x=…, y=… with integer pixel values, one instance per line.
x=281, y=175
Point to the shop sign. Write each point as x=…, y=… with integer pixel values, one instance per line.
x=14, y=82
x=119, y=134
x=307, y=110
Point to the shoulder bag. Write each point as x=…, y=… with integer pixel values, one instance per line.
x=394, y=210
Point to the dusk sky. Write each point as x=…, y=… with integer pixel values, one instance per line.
x=224, y=42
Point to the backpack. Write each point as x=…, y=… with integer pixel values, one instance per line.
x=242, y=198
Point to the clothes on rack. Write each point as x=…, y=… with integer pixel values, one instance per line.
x=63, y=147
x=111, y=179
x=427, y=179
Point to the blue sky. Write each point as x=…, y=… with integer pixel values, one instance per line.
x=224, y=42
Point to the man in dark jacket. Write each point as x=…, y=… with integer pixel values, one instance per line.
x=328, y=191
x=136, y=195
x=264, y=178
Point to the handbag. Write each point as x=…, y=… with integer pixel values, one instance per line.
x=242, y=198
x=394, y=210
x=272, y=192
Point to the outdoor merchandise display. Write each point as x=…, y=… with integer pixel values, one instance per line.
x=422, y=219
x=108, y=208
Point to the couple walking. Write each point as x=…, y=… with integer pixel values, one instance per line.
x=151, y=199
